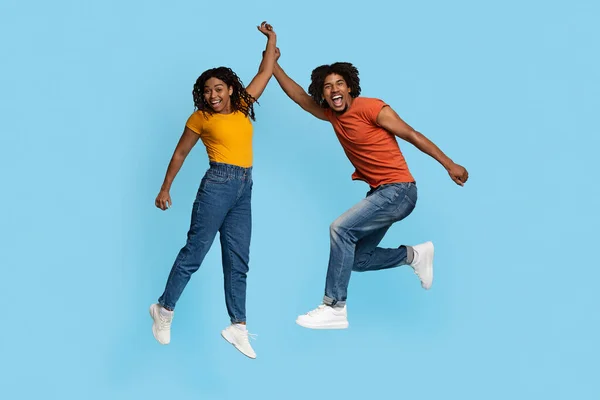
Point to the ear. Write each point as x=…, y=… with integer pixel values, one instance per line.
x=230, y=90
x=349, y=89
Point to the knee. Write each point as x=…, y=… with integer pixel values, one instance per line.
x=339, y=231
x=336, y=228
x=188, y=259
x=359, y=264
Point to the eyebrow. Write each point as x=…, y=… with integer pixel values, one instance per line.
x=218, y=84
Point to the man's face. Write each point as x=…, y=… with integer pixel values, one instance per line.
x=337, y=93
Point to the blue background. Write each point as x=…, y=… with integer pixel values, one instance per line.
x=94, y=98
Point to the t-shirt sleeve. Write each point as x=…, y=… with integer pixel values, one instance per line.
x=195, y=122
x=372, y=109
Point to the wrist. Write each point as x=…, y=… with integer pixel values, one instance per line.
x=448, y=163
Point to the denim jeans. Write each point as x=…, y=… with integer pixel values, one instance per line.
x=356, y=234
x=223, y=204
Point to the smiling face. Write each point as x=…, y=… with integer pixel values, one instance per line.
x=217, y=95
x=337, y=93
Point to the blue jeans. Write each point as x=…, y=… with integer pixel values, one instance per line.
x=356, y=234
x=223, y=204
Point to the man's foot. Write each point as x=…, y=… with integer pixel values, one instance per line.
x=237, y=335
x=423, y=263
x=161, y=328
x=324, y=317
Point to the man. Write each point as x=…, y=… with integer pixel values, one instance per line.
x=367, y=130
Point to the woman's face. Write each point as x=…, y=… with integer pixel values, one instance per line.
x=217, y=95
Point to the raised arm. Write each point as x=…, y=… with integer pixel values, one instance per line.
x=187, y=141
x=265, y=70
x=390, y=121
x=296, y=93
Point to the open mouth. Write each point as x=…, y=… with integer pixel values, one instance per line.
x=215, y=103
x=337, y=100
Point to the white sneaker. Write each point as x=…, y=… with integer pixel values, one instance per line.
x=324, y=317
x=161, y=328
x=423, y=263
x=238, y=337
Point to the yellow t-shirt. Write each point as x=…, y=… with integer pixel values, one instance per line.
x=227, y=137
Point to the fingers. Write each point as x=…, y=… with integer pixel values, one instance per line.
x=457, y=180
x=163, y=203
x=464, y=176
x=265, y=28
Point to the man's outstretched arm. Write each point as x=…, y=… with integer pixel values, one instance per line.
x=390, y=121
x=296, y=93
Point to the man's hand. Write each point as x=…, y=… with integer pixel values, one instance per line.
x=277, y=53
x=458, y=173
x=163, y=200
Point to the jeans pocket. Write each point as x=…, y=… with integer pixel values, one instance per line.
x=384, y=197
x=390, y=193
x=409, y=199
x=216, y=178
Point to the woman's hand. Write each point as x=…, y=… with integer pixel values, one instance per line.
x=163, y=200
x=266, y=29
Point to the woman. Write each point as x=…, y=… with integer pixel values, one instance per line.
x=223, y=202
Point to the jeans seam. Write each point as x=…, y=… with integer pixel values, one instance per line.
x=230, y=260
x=341, y=268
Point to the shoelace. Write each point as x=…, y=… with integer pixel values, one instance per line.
x=247, y=335
x=163, y=322
x=317, y=310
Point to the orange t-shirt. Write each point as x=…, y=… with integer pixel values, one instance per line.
x=373, y=151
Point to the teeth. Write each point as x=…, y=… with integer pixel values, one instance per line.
x=337, y=97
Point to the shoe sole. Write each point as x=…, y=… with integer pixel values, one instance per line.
x=337, y=325
x=154, y=329
x=430, y=263
x=230, y=340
